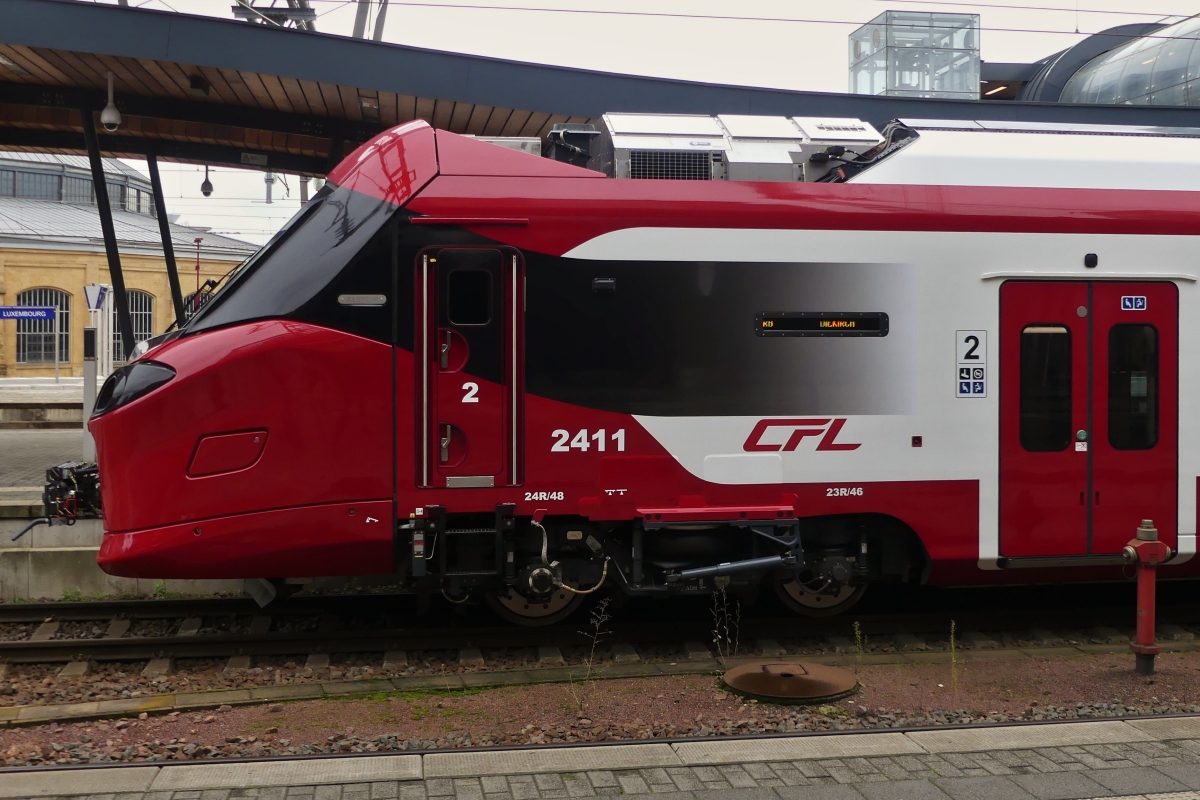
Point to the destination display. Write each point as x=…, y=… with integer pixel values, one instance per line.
x=821, y=323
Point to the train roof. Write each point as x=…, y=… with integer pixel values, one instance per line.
x=1042, y=155
x=397, y=164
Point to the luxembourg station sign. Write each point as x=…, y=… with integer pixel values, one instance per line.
x=26, y=312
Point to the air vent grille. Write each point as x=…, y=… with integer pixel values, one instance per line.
x=678, y=165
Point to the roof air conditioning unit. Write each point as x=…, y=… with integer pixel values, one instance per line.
x=731, y=147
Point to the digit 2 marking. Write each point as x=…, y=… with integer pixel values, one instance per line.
x=472, y=390
x=974, y=342
x=560, y=446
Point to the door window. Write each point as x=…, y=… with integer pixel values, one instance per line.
x=1132, y=387
x=1045, y=388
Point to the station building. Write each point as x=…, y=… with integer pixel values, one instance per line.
x=51, y=246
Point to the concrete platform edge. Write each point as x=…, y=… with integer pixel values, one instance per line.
x=533, y=761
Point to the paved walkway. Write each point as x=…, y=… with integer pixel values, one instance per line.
x=1067, y=761
x=25, y=455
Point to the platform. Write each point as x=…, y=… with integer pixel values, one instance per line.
x=1144, y=758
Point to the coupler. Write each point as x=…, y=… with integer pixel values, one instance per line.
x=1146, y=552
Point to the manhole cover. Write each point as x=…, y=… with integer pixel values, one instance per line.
x=790, y=682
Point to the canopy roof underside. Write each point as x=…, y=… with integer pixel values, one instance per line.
x=206, y=90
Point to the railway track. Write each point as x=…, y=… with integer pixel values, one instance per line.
x=374, y=624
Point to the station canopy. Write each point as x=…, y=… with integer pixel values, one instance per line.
x=205, y=90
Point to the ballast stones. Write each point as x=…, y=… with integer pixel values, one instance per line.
x=790, y=682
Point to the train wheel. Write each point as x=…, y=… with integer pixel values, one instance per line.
x=818, y=604
x=536, y=612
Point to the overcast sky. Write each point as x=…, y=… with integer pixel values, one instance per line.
x=791, y=44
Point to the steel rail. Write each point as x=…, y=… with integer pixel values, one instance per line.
x=672, y=632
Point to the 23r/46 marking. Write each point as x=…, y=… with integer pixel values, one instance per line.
x=582, y=441
x=843, y=491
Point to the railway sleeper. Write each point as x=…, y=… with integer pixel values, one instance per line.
x=537, y=570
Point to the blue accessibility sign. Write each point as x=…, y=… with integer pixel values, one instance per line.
x=1133, y=302
x=26, y=312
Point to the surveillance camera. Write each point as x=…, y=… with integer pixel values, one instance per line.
x=110, y=118
x=206, y=188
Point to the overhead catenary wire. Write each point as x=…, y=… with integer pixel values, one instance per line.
x=735, y=18
x=1065, y=9
x=337, y=4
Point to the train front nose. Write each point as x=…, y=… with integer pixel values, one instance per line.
x=257, y=442
x=256, y=451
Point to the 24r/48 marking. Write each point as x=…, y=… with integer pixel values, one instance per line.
x=530, y=496
x=843, y=491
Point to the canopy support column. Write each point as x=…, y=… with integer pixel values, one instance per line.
x=164, y=232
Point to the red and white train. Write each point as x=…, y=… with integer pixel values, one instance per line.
x=950, y=352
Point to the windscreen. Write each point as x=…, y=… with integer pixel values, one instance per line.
x=300, y=261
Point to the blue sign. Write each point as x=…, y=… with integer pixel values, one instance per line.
x=26, y=312
x=977, y=387
x=1133, y=303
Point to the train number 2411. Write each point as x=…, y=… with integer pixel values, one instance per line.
x=583, y=440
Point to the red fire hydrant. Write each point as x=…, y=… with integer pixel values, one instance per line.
x=1147, y=552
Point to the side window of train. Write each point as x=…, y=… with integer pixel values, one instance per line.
x=359, y=299
x=1045, y=388
x=470, y=297
x=1132, y=387
x=467, y=277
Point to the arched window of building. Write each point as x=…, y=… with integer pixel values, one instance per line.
x=141, y=312
x=194, y=302
x=35, y=337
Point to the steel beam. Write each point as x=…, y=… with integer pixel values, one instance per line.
x=124, y=321
x=199, y=111
x=415, y=72
x=164, y=232
x=167, y=150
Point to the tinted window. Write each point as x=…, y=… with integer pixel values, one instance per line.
x=300, y=262
x=470, y=300
x=1132, y=387
x=1045, y=388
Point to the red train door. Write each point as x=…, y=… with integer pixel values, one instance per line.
x=1135, y=405
x=471, y=335
x=1088, y=406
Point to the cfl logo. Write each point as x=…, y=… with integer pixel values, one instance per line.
x=796, y=431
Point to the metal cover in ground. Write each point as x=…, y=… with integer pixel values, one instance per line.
x=790, y=682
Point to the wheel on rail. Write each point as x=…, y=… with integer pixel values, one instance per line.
x=535, y=612
x=801, y=600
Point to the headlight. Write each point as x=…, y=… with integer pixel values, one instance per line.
x=139, y=350
x=129, y=383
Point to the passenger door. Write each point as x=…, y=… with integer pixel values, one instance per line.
x=470, y=376
x=1135, y=405
x=1088, y=406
